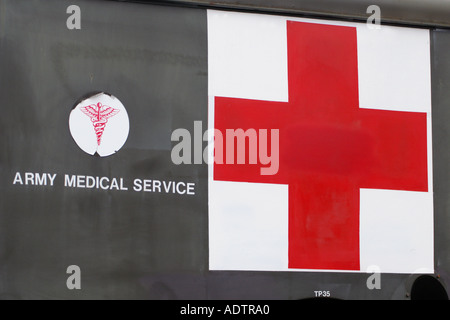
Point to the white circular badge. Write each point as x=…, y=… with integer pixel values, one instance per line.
x=100, y=125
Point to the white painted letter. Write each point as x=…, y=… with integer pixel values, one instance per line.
x=18, y=178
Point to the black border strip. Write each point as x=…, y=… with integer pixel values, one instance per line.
x=421, y=20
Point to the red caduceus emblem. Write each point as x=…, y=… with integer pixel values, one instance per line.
x=99, y=115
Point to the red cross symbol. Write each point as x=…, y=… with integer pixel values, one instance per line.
x=330, y=148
